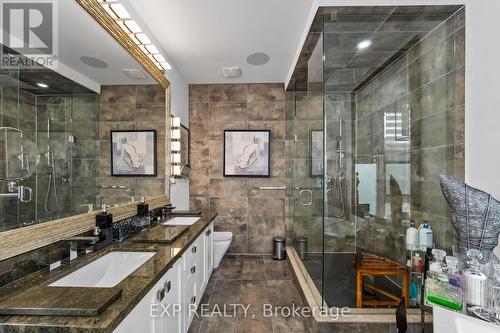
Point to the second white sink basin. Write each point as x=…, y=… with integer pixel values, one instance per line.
x=182, y=220
x=105, y=272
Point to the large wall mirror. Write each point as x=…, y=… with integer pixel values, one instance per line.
x=56, y=124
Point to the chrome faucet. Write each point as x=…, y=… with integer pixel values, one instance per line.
x=91, y=240
x=89, y=206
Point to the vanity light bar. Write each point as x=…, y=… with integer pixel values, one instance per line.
x=122, y=17
x=176, y=133
x=132, y=26
x=175, y=145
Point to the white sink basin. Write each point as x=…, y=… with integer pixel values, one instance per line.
x=447, y=321
x=182, y=220
x=106, y=271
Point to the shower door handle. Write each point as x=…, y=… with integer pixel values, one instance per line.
x=310, y=197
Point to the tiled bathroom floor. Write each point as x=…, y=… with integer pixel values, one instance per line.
x=254, y=281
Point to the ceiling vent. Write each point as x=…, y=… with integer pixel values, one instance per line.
x=231, y=72
x=135, y=74
x=93, y=62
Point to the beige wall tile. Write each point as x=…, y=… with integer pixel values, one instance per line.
x=129, y=108
x=218, y=107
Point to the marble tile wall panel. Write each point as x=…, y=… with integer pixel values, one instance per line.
x=130, y=107
x=428, y=86
x=253, y=216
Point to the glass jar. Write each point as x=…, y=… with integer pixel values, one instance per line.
x=475, y=281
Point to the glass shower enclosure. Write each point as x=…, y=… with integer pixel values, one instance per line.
x=51, y=116
x=375, y=115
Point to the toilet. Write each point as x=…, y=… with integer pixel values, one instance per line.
x=222, y=241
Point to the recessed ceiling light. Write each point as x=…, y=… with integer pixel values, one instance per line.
x=258, y=58
x=364, y=44
x=42, y=85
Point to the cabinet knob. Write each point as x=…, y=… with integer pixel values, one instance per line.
x=160, y=294
x=167, y=286
x=193, y=299
x=193, y=269
x=209, y=232
x=193, y=249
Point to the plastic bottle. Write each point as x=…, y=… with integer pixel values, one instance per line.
x=413, y=294
x=415, y=261
x=455, y=279
x=425, y=235
x=411, y=236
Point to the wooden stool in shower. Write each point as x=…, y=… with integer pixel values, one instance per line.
x=371, y=265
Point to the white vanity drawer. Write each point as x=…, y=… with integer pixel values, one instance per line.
x=191, y=254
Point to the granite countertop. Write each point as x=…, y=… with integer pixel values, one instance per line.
x=134, y=287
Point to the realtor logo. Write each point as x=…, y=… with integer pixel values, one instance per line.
x=29, y=30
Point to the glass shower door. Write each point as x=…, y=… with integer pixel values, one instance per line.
x=307, y=171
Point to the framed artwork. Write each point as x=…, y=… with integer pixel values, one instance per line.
x=316, y=153
x=247, y=153
x=133, y=153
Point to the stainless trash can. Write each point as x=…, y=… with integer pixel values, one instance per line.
x=301, y=246
x=279, y=248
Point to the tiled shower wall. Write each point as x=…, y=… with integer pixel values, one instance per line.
x=69, y=114
x=424, y=92
x=130, y=107
x=254, y=216
x=75, y=161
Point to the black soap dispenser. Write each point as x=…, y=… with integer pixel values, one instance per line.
x=104, y=221
x=142, y=208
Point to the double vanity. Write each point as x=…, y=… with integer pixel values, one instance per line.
x=143, y=284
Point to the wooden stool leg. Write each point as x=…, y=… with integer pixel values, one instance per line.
x=406, y=283
x=359, y=290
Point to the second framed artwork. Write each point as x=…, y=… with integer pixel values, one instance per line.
x=133, y=153
x=247, y=153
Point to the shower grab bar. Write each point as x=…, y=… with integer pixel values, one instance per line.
x=271, y=188
x=307, y=188
x=114, y=187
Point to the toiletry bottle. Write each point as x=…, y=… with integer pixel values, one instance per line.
x=425, y=235
x=142, y=209
x=411, y=236
x=454, y=277
x=415, y=261
x=475, y=281
x=104, y=221
x=413, y=294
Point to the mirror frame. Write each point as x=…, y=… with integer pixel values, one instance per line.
x=21, y=240
x=108, y=23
